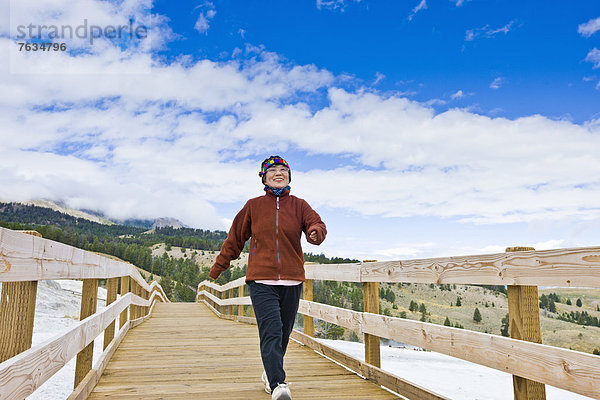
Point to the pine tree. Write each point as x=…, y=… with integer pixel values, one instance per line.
x=477, y=315
x=447, y=322
x=579, y=303
x=504, y=326
x=569, y=302
x=458, y=302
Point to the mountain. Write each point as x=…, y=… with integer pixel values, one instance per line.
x=88, y=215
x=164, y=222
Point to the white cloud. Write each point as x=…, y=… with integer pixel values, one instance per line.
x=594, y=57
x=487, y=32
x=421, y=6
x=202, y=24
x=589, y=28
x=497, y=83
x=458, y=95
x=333, y=4
x=189, y=135
x=378, y=78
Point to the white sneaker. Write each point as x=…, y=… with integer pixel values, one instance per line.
x=265, y=380
x=282, y=392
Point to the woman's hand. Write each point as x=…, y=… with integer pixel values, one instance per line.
x=313, y=236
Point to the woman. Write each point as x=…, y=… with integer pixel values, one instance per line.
x=275, y=274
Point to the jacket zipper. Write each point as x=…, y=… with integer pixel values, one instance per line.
x=277, y=237
x=253, y=248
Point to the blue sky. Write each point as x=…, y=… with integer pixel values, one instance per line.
x=532, y=49
x=415, y=128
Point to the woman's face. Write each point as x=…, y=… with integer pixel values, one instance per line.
x=277, y=176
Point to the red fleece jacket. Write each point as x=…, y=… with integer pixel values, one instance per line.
x=275, y=250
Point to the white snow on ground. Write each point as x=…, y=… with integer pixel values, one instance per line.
x=446, y=375
x=57, y=311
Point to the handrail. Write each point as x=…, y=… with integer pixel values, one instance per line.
x=55, y=260
x=567, y=369
x=25, y=259
x=574, y=267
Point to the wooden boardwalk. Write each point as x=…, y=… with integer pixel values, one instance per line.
x=184, y=351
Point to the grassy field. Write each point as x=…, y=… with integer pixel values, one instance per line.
x=494, y=306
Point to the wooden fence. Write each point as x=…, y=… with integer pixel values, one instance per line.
x=26, y=259
x=531, y=363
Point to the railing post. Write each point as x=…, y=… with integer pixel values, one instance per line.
x=230, y=311
x=309, y=325
x=371, y=305
x=524, y=314
x=111, y=295
x=124, y=290
x=89, y=298
x=241, y=306
x=17, y=312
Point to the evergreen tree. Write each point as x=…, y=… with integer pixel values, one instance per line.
x=569, y=302
x=458, y=302
x=413, y=306
x=552, y=306
x=167, y=284
x=505, y=325
x=579, y=303
x=477, y=315
x=422, y=308
x=447, y=322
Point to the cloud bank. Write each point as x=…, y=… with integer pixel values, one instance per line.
x=189, y=135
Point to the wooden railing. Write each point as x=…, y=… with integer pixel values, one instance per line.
x=531, y=363
x=26, y=259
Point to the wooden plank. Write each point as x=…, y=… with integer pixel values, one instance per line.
x=371, y=305
x=186, y=340
x=23, y=374
x=524, y=314
x=86, y=386
x=89, y=300
x=339, y=316
x=395, y=383
x=309, y=323
x=112, y=285
x=17, y=313
x=578, y=267
x=25, y=257
x=333, y=272
x=240, y=306
x=565, y=369
x=124, y=290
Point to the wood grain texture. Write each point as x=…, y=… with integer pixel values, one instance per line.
x=578, y=267
x=566, y=369
x=24, y=373
x=17, y=314
x=89, y=300
x=112, y=285
x=124, y=290
x=371, y=305
x=405, y=388
x=84, y=389
x=524, y=314
x=25, y=257
x=185, y=356
x=309, y=323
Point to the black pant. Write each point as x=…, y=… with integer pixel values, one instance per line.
x=275, y=308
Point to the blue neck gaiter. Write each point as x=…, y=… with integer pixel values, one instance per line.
x=276, y=192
